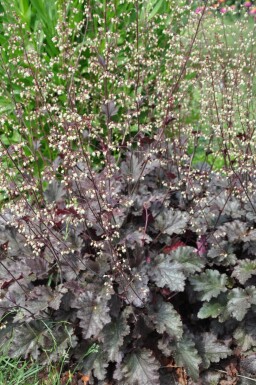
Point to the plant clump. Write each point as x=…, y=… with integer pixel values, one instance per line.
x=128, y=208
x=139, y=260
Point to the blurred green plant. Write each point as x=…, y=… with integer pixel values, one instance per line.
x=88, y=67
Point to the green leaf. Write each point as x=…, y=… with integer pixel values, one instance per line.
x=222, y=254
x=240, y=300
x=168, y=273
x=211, y=309
x=5, y=140
x=113, y=335
x=6, y=106
x=189, y=259
x=244, y=270
x=155, y=9
x=100, y=364
x=166, y=319
x=186, y=355
x=209, y=284
x=140, y=367
x=245, y=334
x=46, y=11
x=210, y=349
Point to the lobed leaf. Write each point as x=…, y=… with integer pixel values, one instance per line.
x=245, y=333
x=166, y=319
x=184, y=352
x=187, y=355
x=189, y=259
x=140, y=368
x=165, y=272
x=109, y=109
x=26, y=343
x=240, y=300
x=235, y=231
x=244, y=270
x=212, y=309
x=209, y=284
x=172, y=222
x=113, y=334
x=93, y=312
x=210, y=349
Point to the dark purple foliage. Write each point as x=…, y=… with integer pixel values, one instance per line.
x=132, y=261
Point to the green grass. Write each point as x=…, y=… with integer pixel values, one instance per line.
x=18, y=372
x=23, y=372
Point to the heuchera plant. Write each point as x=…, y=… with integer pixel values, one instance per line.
x=119, y=251
x=150, y=267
